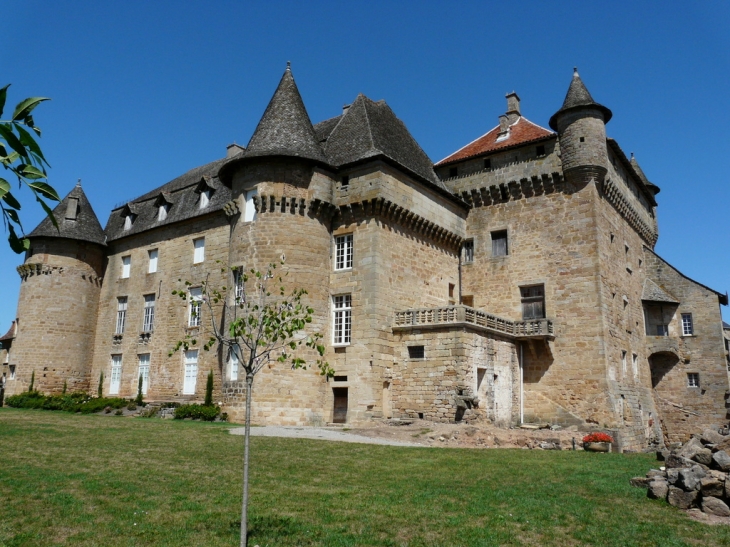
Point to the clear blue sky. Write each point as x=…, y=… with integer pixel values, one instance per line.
x=143, y=91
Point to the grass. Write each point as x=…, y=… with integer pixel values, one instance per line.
x=106, y=481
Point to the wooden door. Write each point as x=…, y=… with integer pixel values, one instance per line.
x=340, y=409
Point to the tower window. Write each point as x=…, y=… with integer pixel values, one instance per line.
x=345, y=182
x=196, y=307
x=488, y=163
x=149, y=313
x=416, y=352
x=453, y=171
x=121, y=314
x=342, y=311
x=469, y=251
x=582, y=139
x=693, y=379
x=249, y=213
x=343, y=252
x=540, y=150
x=499, y=243
x=533, y=302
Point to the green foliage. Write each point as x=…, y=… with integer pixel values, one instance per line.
x=138, y=399
x=21, y=155
x=65, y=387
x=100, y=389
x=209, y=390
x=32, y=381
x=73, y=402
x=207, y=413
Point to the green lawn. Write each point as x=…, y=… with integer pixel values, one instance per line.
x=105, y=481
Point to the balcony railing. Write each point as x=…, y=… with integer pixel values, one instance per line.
x=447, y=315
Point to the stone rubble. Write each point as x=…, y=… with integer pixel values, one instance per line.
x=695, y=475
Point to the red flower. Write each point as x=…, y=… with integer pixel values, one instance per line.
x=598, y=438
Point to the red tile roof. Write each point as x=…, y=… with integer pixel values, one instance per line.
x=521, y=132
x=10, y=334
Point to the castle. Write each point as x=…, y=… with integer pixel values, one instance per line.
x=513, y=282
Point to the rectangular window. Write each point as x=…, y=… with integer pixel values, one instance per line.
x=191, y=372
x=343, y=252
x=693, y=379
x=233, y=364
x=144, y=371
x=687, y=327
x=238, y=285
x=623, y=363
x=540, y=150
x=204, y=198
x=196, y=307
x=115, y=379
x=149, y=313
x=162, y=212
x=12, y=372
x=345, y=182
x=487, y=163
x=499, y=243
x=469, y=251
x=152, y=266
x=72, y=208
x=249, y=213
x=129, y=220
x=662, y=330
x=342, y=305
x=635, y=365
x=126, y=266
x=533, y=302
x=199, y=252
x=121, y=314
x=416, y=352
x=453, y=172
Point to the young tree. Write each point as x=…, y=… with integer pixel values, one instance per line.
x=20, y=154
x=262, y=322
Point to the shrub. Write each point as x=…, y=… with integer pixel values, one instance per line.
x=73, y=402
x=131, y=406
x=27, y=399
x=138, y=400
x=207, y=413
x=32, y=382
x=209, y=390
x=99, y=389
x=65, y=386
x=118, y=412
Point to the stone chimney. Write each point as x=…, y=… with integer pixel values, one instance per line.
x=513, y=107
x=233, y=150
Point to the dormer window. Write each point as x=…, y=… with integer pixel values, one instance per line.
x=204, y=198
x=129, y=220
x=162, y=211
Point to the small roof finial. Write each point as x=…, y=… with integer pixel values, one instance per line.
x=78, y=183
x=575, y=71
x=632, y=155
x=288, y=65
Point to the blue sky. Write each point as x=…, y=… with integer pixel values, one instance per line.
x=143, y=91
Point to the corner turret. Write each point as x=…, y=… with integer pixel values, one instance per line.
x=581, y=126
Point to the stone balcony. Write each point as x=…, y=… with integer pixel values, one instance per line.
x=662, y=344
x=464, y=316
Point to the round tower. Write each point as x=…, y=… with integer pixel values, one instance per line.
x=581, y=126
x=59, y=295
x=282, y=193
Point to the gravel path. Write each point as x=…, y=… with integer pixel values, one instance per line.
x=325, y=434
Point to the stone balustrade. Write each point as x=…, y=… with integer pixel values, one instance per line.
x=454, y=315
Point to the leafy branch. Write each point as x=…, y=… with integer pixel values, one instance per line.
x=21, y=154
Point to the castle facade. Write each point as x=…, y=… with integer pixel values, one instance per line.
x=514, y=281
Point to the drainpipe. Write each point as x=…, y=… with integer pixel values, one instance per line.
x=522, y=388
x=460, y=251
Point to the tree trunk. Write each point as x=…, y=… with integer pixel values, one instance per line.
x=244, y=507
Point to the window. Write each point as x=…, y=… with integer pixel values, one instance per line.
x=662, y=330
x=204, y=198
x=693, y=379
x=488, y=163
x=635, y=365
x=345, y=182
x=129, y=220
x=687, y=327
x=416, y=352
x=249, y=213
x=199, y=250
x=342, y=319
x=453, y=171
x=582, y=139
x=144, y=371
x=499, y=243
x=233, y=364
x=452, y=287
x=191, y=372
x=121, y=314
x=126, y=266
x=533, y=302
x=623, y=363
x=162, y=211
x=540, y=150
x=12, y=372
x=469, y=251
x=238, y=285
x=72, y=208
x=196, y=307
x=152, y=266
x=149, y=313
x=343, y=252
x=115, y=379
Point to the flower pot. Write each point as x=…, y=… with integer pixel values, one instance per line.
x=597, y=447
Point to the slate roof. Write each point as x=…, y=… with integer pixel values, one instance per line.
x=724, y=326
x=578, y=97
x=654, y=293
x=650, y=185
x=521, y=132
x=370, y=129
x=85, y=227
x=180, y=193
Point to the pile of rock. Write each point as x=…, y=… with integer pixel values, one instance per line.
x=694, y=475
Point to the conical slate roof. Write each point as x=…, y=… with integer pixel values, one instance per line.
x=284, y=130
x=77, y=222
x=578, y=97
x=635, y=164
x=370, y=129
